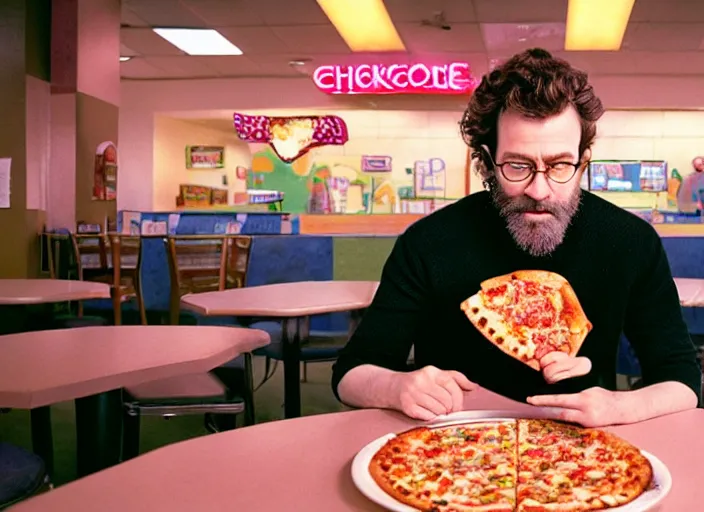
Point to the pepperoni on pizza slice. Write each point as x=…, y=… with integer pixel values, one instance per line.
x=528, y=314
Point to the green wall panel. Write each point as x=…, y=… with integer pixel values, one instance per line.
x=360, y=258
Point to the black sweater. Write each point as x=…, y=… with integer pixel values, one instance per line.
x=614, y=260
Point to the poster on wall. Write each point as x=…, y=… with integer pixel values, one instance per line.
x=205, y=157
x=291, y=137
x=195, y=196
x=105, y=172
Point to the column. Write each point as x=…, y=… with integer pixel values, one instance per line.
x=24, y=93
x=85, y=92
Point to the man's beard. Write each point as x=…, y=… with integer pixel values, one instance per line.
x=538, y=238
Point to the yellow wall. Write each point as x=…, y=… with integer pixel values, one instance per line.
x=171, y=136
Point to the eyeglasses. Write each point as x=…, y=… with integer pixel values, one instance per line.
x=515, y=172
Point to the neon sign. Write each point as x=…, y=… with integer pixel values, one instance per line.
x=452, y=78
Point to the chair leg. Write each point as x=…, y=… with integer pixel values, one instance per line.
x=249, y=413
x=130, y=435
x=305, y=372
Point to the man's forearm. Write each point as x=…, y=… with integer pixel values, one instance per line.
x=369, y=386
x=657, y=400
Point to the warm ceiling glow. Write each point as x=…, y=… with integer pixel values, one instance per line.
x=198, y=41
x=365, y=25
x=597, y=24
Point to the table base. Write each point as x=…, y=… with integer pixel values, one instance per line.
x=98, y=431
x=42, y=438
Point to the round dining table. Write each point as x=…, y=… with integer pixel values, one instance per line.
x=305, y=464
x=91, y=365
x=22, y=292
x=293, y=304
x=690, y=291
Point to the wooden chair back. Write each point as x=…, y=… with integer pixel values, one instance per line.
x=203, y=263
x=96, y=255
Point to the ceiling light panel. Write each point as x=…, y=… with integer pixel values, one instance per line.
x=198, y=41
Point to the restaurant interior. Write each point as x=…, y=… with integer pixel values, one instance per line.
x=173, y=171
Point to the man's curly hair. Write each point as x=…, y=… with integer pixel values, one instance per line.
x=534, y=84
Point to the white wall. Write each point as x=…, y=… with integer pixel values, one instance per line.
x=38, y=128
x=171, y=136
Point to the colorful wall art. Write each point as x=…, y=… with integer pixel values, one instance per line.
x=323, y=183
x=291, y=137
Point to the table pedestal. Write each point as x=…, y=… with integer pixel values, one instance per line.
x=98, y=431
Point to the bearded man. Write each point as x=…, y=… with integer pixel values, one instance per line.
x=530, y=125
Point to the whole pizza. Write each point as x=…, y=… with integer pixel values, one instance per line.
x=528, y=314
x=510, y=465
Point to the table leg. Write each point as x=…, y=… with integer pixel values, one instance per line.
x=355, y=318
x=291, y=341
x=42, y=439
x=98, y=431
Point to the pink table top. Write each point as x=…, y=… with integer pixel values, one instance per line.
x=45, y=291
x=691, y=292
x=285, y=300
x=304, y=464
x=44, y=367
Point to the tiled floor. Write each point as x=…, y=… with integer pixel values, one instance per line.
x=316, y=393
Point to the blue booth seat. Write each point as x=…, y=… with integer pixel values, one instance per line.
x=22, y=474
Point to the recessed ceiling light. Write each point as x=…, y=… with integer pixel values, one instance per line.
x=124, y=59
x=597, y=24
x=198, y=41
x=299, y=62
x=365, y=25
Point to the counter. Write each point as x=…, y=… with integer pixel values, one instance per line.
x=342, y=255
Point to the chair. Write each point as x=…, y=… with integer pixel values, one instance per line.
x=113, y=259
x=22, y=474
x=628, y=365
x=196, y=264
x=66, y=316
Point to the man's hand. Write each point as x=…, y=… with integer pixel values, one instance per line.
x=559, y=366
x=429, y=392
x=593, y=407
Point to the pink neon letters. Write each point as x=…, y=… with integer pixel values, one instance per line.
x=395, y=79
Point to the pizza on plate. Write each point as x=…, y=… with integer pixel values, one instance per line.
x=528, y=314
x=510, y=465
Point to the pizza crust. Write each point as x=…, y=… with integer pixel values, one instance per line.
x=493, y=326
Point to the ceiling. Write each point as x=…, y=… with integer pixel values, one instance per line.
x=663, y=36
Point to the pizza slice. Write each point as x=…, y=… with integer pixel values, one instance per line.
x=468, y=468
x=563, y=468
x=528, y=314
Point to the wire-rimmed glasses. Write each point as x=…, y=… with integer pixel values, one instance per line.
x=515, y=172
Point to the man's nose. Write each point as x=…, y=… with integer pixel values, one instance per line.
x=539, y=188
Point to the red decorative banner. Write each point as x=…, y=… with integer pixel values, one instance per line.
x=451, y=78
x=291, y=137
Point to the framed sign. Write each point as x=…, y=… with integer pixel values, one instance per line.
x=205, y=157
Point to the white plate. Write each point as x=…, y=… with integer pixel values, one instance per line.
x=662, y=480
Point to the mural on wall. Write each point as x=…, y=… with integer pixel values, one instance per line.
x=339, y=184
x=291, y=137
x=105, y=172
x=429, y=178
x=376, y=163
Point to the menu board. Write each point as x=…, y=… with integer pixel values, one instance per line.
x=628, y=176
